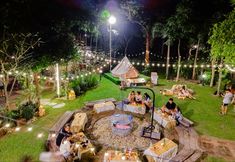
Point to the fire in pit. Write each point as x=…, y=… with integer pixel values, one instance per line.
x=121, y=124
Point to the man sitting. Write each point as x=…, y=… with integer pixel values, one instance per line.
x=65, y=132
x=169, y=107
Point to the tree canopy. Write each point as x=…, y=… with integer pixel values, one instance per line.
x=222, y=40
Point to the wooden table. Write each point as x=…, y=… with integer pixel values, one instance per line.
x=162, y=151
x=79, y=140
x=164, y=119
x=104, y=106
x=117, y=156
x=79, y=122
x=135, y=108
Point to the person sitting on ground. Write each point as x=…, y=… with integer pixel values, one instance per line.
x=138, y=97
x=169, y=107
x=65, y=148
x=226, y=101
x=64, y=132
x=177, y=115
x=147, y=102
x=185, y=93
x=131, y=97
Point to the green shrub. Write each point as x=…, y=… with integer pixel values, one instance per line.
x=147, y=70
x=82, y=84
x=115, y=80
x=27, y=110
x=14, y=114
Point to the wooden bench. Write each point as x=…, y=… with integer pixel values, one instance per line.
x=186, y=122
x=195, y=157
x=183, y=155
x=91, y=103
x=61, y=122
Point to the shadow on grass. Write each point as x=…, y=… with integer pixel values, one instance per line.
x=161, y=85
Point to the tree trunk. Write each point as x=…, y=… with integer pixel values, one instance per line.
x=195, y=61
x=179, y=62
x=147, y=48
x=96, y=42
x=189, y=53
x=212, y=72
x=91, y=40
x=37, y=87
x=162, y=49
x=219, y=82
x=5, y=82
x=168, y=58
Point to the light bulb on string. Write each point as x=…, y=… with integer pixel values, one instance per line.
x=7, y=125
x=29, y=129
x=40, y=135
x=17, y=129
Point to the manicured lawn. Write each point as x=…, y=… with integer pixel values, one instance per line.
x=203, y=111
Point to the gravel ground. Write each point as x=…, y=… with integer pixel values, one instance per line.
x=102, y=131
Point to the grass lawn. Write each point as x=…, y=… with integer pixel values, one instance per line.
x=204, y=111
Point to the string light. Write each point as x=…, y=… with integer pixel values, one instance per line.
x=17, y=129
x=29, y=129
x=77, y=145
x=230, y=68
x=40, y=135
x=7, y=125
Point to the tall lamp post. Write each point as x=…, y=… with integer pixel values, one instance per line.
x=111, y=20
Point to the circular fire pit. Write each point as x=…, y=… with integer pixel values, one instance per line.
x=121, y=124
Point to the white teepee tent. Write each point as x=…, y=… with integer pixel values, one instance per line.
x=125, y=70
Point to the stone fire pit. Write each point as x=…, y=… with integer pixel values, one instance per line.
x=121, y=124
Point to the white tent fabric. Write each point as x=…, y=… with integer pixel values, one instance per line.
x=125, y=70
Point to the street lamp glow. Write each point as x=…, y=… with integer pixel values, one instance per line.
x=112, y=20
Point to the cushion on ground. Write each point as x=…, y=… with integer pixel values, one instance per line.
x=79, y=122
x=104, y=106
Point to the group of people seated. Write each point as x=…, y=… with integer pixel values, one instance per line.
x=66, y=142
x=137, y=98
x=181, y=91
x=170, y=108
x=63, y=141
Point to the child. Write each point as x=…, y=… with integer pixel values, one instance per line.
x=226, y=101
x=177, y=115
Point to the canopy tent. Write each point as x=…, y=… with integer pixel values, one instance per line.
x=125, y=70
